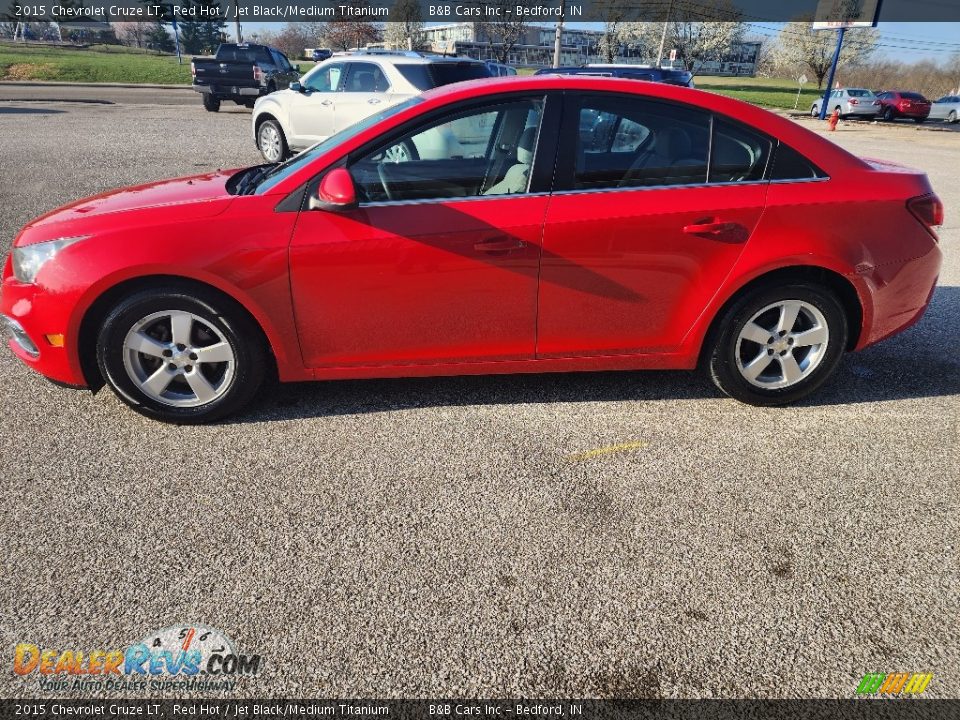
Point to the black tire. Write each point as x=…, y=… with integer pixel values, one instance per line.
x=211, y=103
x=279, y=147
x=235, y=328
x=722, y=347
x=952, y=117
x=814, y=113
x=888, y=115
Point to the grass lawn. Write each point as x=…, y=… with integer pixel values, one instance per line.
x=105, y=63
x=768, y=92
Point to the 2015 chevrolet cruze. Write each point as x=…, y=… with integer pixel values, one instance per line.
x=578, y=223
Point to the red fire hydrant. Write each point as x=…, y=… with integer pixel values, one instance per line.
x=834, y=119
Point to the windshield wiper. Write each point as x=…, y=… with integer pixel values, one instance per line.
x=253, y=177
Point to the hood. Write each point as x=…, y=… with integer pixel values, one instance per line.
x=181, y=198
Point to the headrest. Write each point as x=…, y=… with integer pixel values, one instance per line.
x=528, y=139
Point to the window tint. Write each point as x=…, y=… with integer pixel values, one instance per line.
x=487, y=151
x=365, y=77
x=857, y=92
x=424, y=77
x=326, y=79
x=631, y=142
x=737, y=154
x=243, y=54
x=788, y=164
x=912, y=96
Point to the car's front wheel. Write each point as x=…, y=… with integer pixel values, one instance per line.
x=271, y=141
x=952, y=117
x=777, y=345
x=181, y=355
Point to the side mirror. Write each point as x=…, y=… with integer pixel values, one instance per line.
x=335, y=193
x=296, y=87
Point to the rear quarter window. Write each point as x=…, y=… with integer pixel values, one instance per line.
x=788, y=164
x=424, y=77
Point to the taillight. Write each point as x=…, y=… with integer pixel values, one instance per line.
x=257, y=74
x=928, y=210
x=193, y=70
x=853, y=101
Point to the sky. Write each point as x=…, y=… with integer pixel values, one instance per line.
x=909, y=41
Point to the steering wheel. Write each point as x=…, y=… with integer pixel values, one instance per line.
x=383, y=181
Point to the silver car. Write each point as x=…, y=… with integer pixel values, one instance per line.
x=946, y=108
x=856, y=102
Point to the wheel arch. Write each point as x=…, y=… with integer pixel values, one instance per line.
x=95, y=314
x=841, y=286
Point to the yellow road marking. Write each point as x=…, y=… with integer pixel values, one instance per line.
x=607, y=450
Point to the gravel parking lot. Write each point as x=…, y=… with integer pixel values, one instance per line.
x=454, y=537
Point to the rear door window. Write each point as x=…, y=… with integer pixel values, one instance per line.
x=633, y=142
x=788, y=164
x=737, y=154
x=366, y=78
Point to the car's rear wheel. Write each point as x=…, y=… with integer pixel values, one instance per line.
x=814, y=112
x=777, y=345
x=181, y=355
x=211, y=103
x=271, y=141
x=888, y=115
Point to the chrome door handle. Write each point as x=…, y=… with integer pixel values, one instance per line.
x=373, y=101
x=326, y=102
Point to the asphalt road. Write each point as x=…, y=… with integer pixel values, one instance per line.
x=458, y=536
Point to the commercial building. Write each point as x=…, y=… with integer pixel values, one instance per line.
x=580, y=46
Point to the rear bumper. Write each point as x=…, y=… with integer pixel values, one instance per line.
x=862, y=110
x=36, y=323
x=224, y=91
x=900, y=293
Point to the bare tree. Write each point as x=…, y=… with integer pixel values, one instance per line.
x=405, y=31
x=504, y=33
x=802, y=48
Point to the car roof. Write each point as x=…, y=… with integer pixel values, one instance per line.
x=404, y=58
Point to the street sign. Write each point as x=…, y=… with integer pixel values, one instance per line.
x=802, y=80
x=843, y=14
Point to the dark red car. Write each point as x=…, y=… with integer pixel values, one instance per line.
x=903, y=104
x=550, y=223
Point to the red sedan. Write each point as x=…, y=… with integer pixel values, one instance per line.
x=902, y=104
x=540, y=224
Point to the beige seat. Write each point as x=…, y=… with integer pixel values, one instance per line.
x=517, y=176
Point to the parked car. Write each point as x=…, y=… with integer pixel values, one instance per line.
x=500, y=70
x=713, y=233
x=946, y=108
x=320, y=54
x=851, y=102
x=347, y=88
x=630, y=72
x=241, y=72
x=903, y=104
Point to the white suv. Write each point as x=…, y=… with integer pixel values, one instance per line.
x=345, y=89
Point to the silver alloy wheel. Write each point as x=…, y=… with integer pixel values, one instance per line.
x=178, y=359
x=814, y=112
x=782, y=344
x=270, y=143
x=952, y=117
x=396, y=154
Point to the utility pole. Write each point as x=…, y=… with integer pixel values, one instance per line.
x=236, y=9
x=663, y=35
x=557, y=40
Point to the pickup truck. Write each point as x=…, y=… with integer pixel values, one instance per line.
x=241, y=72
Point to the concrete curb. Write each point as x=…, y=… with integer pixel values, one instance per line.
x=51, y=83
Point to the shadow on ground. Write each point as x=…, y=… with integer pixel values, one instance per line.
x=916, y=364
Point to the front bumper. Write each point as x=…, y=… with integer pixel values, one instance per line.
x=37, y=324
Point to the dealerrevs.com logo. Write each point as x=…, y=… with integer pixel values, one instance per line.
x=180, y=657
x=890, y=684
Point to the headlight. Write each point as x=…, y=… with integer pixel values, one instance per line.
x=28, y=260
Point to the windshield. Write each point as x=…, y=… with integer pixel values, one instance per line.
x=284, y=170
